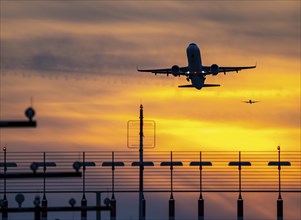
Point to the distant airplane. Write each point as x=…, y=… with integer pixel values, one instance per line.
x=250, y=101
x=195, y=71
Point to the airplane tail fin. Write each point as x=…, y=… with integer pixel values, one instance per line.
x=191, y=86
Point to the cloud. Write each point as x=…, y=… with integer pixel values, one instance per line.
x=101, y=36
x=67, y=54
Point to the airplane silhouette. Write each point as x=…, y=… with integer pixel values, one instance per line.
x=195, y=71
x=250, y=101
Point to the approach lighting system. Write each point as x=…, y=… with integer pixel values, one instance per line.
x=29, y=113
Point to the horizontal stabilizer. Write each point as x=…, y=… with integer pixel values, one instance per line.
x=186, y=86
x=210, y=85
x=192, y=86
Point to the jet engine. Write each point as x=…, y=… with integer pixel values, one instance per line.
x=175, y=70
x=214, y=69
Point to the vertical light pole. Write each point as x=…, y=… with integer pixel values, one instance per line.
x=77, y=166
x=141, y=197
x=200, y=164
x=5, y=202
x=279, y=200
x=113, y=164
x=84, y=200
x=44, y=200
x=148, y=163
x=34, y=167
x=240, y=207
x=141, y=146
x=98, y=204
x=171, y=164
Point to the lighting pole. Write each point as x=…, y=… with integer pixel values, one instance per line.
x=141, y=197
x=132, y=126
x=171, y=165
x=239, y=164
x=200, y=164
x=5, y=202
x=279, y=163
x=113, y=164
x=77, y=166
x=148, y=163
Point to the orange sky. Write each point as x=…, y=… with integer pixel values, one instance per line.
x=79, y=64
x=78, y=61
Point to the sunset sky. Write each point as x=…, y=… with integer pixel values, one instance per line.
x=78, y=61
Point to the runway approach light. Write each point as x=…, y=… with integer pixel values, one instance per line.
x=77, y=165
x=20, y=199
x=29, y=113
x=35, y=165
x=146, y=163
x=8, y=164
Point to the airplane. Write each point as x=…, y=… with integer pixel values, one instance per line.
x=250, y=101
x=195, y=71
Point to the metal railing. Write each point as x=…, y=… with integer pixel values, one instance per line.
x=218, y=177
x=164, y=171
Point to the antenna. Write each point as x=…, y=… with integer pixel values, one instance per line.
x=31, y=101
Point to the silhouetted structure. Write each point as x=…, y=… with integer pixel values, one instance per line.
x=171, y=164
x=113, y=164
x=240, y=208
x=141, y=163
x=127, y=180
x=200, y=164
x=29, y=113
x=279, y=163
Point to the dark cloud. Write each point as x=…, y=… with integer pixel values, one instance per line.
x=49, y=61
x=243, y=16
x=133, y=11
x=127, y=32
x=70, y=54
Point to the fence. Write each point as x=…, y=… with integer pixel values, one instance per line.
x=186, y=171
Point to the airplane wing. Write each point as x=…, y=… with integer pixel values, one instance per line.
x=167, y=71
x=250, y=102
x=225, y=69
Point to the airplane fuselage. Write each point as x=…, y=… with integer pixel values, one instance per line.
x=195, y=65
x=194, y=58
